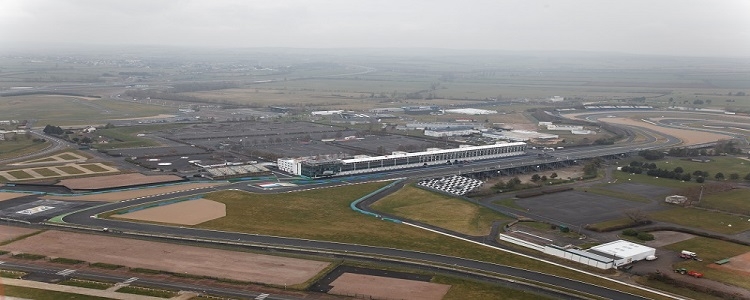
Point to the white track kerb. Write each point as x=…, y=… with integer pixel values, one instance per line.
x=551, y=263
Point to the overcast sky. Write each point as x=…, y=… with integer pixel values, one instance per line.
x=671, y=27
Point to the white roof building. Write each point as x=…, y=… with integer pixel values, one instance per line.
x=623, y=252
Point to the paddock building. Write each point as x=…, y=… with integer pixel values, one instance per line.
x=313, y=168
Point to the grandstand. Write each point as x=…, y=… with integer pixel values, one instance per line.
x=236, y=171
x=397, y=160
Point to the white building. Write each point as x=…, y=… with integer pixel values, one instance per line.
x=564, y=127
x=471, y=111
x=326, y=112
x=289, y=165
x=623, y=252
x=556, y=99
x=441, y=132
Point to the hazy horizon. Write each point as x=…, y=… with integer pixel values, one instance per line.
x=669, y=27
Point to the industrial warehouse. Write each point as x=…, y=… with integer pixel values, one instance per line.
x=316, y=168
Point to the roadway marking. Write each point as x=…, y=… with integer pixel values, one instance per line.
x=130, y=280
x=262, y=296
x=66, y=272
x=2, y=262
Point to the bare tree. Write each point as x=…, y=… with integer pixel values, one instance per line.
x=635, y=215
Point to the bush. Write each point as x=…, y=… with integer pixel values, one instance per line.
x=68, y=261
x=106, y=266
x=630, y=232
x=29, y=256
x=645, y=236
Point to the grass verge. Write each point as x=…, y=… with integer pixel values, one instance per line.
x=439, y=210
x=509, y=202
x=11, y=274
x=87, y=284
x=702, y=219
x=106, y=266
x=143, y=291
x=67, y=261
x=29, y=256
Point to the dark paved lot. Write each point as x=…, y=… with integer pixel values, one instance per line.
x=581, y=208
x=393, y=143
x=299, y=149
x=159, y=151
x=649, y=191
x=24, y=209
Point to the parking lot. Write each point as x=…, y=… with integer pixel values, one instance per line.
x=581, y=208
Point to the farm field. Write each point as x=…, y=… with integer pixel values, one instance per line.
x=439, y=210
x=193, y=260
x=67, y=110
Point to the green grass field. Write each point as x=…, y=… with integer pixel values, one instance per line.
x=324, y=214
x=46, y=172
x=711, y=250
x=67, y=110
x=67, y=156
x=70, y=170
x=701, y=219
x=10, y=149
x=735, y=201
x=645, y=179
x=20, y=174
x=439, y=210
x=93, y=168
x=724, y=164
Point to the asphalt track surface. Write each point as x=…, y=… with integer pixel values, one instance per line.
x=85, y=218
x=51, y=274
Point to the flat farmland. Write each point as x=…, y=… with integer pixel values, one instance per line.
x=11, y=232
x=67, y=110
